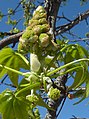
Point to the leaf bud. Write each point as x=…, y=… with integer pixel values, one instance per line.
x=32, y=98
x=54, y=93
x=70, y=96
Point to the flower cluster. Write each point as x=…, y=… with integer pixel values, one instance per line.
x=54, y=93
x=37, y=35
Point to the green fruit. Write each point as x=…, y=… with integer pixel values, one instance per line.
x=44, y=39
x=54, y=93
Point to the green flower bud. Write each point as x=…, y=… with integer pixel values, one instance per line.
x=37, y=29
x=27, y=34
x=38, y=16
x=34, y=62
x=54, y=93
x=33, y=39
x=42, y=21
x=32, y=98
x=32, y=78
x=28, y=37
x=22, y=48
x=44, y=39
x=45, y=28
x=39, y=9
x=32, y=23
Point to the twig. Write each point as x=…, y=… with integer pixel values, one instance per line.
x=11, y=39
x=68, y=26
x=11, y=85
x=61, y=107
x=63, y=17
x=3, y=79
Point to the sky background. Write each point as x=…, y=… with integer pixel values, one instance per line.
x=70, y=10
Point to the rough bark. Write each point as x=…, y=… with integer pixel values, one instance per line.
x=9, y=40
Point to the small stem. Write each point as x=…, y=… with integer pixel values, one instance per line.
x=23, y=58
x=29, y=87
x=12, y=70
x=66, y=65
x=64, y=48
x=55, y=58
x=69, y=70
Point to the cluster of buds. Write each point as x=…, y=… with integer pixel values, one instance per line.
x=54, y=93
x=33, y=99
x=37, y=34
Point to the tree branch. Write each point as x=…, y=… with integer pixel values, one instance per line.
x=52, y=8
x=66, y=27
x=11, y=39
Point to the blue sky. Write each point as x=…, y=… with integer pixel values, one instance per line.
x=71, y=9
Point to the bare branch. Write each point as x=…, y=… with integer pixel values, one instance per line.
x=66, y=27
x=74, y=117
x=52, y=8
x=11, y=39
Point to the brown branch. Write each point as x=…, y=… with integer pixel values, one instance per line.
x=11, y=39
x=66, y=27
x=52, y=8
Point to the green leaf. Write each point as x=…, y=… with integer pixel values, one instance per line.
x=82, y=52
x=6, y=105
x=21, y=106
x=42, y=103
x=87, y=85
x=79, y=93
x=75, y=52
x=12, y=107
x=79, y=79
x=13, y=60
x=28, y=88
x=84, y=96
x=7, y=63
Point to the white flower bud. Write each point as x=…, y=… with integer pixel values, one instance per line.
x=34, y=62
